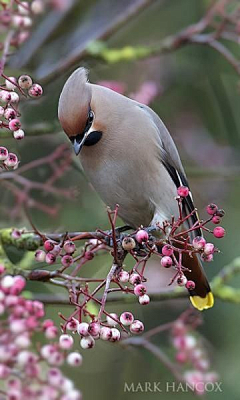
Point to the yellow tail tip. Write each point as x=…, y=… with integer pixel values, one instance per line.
x=202, y=303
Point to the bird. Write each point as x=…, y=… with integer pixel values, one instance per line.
x=131, y=160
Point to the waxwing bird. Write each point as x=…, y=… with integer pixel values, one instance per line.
x=130, y=159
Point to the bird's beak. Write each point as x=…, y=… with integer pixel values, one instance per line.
x=79, y=142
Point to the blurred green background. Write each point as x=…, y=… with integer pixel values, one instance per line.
x=199, y=103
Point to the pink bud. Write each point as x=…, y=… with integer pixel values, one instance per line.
x=135, y=279
x=144, y=299
x=74, y=359
x=4, y=371
x=19, y=284
x=137, y=326
x=49, y=245
x=182, y=280
x=50, y=258
x=16, y=234
x=216, y=219
x=69, y=247
x=3, y=153
x=219, y=232
x=190, y=285
x=140, y=290
x=167, y=250
x=66, y=342
x=40, y=255
x=47, y=323
x=82, y=329
x=67, y=260
x=123, y=276
x=199, y=242
x=209, y=248
x=183, y=191
x=35, y=91
x=141, y=236
x=211, y=209
x=166, y=262
x=126, y=318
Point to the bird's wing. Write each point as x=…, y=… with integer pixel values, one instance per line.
x=170, y=159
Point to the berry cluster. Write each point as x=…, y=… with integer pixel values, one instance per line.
x=106, y=330
x=9, y=99
x=191, y=355
x=20, y=360
x=7, y=160
x=177, y=241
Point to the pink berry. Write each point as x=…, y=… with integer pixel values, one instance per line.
x=182, y=280
x=40, y=255
x=88, y=255
x=16, y=234
x=198, y=243
x=82, y=329
x=181, y=357
x=94, y=329
x=66, y=342
x=19, y=134
x=47, y=323
x=3, y=153
x=126, y=318
x=14, y=97
x=67, y=260
x=183, y=191
x=49, y=245
x=2, y=111
x=209, y=248
x=74, y=359
x=211, y=209
x=141, y=236
x=69, y=247
x=136, y=326
x=115, y=335
x=10, y=113
x=219, y=232
x=167, y=250
x=166, y=262
x=140, y=290
x=144, y=299
x=50, y=258
x=37, y=7
x=25, y=81
x=216, y=219
x=207, y=257
x=87, y=342
x=135, y=279
x=35, y=91
x=5, y=96
x=123, y=276
x=72, y=325
x=11, y=161
x=11, y=85
x=190, y=285
x=51, y=332
x=111, y=321
x=105, y=333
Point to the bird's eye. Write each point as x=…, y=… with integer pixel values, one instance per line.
x=91, y=116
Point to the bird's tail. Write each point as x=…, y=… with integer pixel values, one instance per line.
x=201, y=296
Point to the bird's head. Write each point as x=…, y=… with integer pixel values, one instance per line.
x=75, y=113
